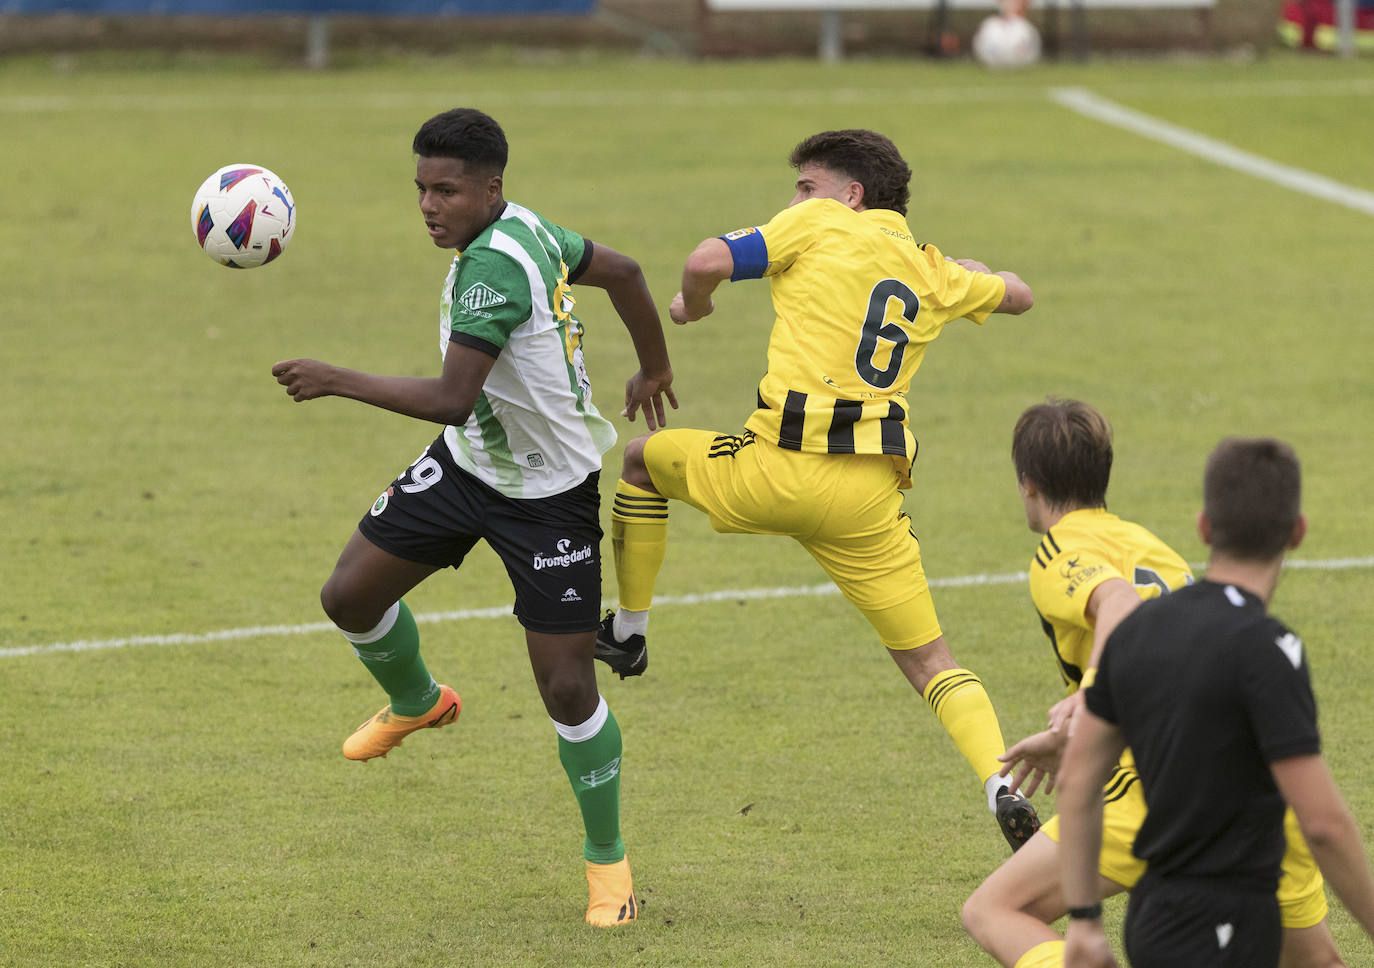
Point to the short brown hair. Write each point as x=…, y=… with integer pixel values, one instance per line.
x=869, y=158
x=1064, y=448
x=1251, y=493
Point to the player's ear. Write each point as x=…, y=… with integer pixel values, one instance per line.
x=494, y=185
x=854, y=195
x=1204, y=528
x=1299, y=531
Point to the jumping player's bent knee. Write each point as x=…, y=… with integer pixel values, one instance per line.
x=633, y=470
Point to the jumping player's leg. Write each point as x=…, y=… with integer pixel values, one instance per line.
x=654, y=470
x=639, y=540
x=959, y=701
x=878, y=568
x=867, y=547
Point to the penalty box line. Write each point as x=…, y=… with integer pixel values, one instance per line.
x=1090, y=105
x=428, y=618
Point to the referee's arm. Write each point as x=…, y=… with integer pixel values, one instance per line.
x=1330, y=831
x=1094, y=747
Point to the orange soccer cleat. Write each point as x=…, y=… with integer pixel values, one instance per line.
x=384, y=731
x=612, y=894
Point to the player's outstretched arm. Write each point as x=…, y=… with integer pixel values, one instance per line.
x=710, y=264
x=624, y=283
x=1330, y=831
x=1018, y=297
x=1092, y=751
x=445, y=399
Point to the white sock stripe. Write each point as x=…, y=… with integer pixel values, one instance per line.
x=585, y=731
x=384, y=626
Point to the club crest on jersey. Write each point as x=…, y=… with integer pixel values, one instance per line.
x=379, y=505
x=480, y=296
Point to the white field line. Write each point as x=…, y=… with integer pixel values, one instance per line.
x=702, y=598
x=1218, y=152
x=686, y=98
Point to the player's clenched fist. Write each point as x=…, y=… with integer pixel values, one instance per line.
x=303, y=379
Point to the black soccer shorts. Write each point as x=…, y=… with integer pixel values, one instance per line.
x=435, y=512
x=1201, y=923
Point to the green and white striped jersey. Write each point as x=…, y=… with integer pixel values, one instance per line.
x=534, y=431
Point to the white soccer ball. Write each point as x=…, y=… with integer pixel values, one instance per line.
x=243, y=216
x=1006, y=42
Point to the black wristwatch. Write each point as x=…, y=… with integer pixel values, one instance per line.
x=1088, y=913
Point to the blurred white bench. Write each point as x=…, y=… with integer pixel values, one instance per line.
x=831, y=42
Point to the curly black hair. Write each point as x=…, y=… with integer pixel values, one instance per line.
x=466, y=134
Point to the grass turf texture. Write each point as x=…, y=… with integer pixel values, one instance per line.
x=787, y=798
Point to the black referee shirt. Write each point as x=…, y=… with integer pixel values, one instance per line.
x=1208, y=690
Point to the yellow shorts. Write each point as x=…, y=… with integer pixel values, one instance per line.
x=1301, y=893
x=845, y=509
x=1123, y=811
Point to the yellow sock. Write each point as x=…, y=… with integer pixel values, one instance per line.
x=1048, y=954
x=639, y=538
x=962, y=705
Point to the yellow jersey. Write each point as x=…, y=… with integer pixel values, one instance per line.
x=1085, y=548
x=857, y=300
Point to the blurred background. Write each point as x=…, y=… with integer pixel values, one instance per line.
x=338, y=32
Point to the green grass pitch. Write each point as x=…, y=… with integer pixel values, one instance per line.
x=788, y=800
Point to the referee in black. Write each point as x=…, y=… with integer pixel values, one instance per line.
x=1212, y=695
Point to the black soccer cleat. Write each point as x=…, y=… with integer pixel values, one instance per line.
x=628, y=658
x=1017, y=818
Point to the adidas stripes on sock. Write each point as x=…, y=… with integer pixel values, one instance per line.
x=639, y=539
x=962, y=705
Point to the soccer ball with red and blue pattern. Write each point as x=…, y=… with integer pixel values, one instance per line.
x=243, y=216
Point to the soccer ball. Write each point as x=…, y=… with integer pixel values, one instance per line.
x=1006, y=42
x=243, y=216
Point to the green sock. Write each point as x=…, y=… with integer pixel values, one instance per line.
x=590, y=754
x=391, y=652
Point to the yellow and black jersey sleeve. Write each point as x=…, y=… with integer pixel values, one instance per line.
x=1084, y=549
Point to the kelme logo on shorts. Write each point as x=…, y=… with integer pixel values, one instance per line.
x=480, y=296
x=379, y=505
